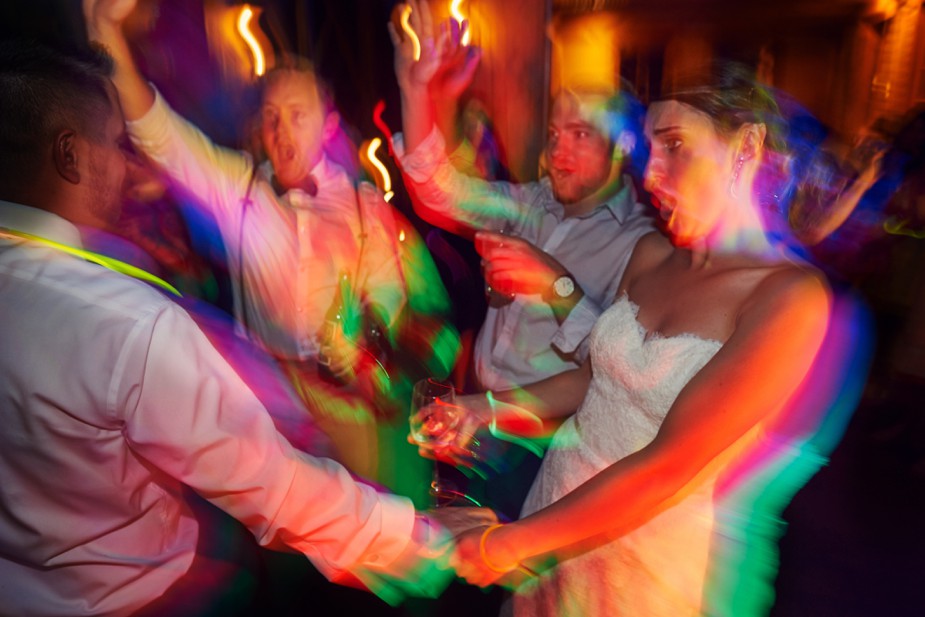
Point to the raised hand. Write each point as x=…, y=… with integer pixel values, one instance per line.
x=417, y=55
x=458, y=63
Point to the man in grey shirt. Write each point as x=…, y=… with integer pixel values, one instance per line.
x=570, y=233
x=566, y=238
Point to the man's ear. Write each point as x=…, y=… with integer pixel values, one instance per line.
x=331, y=126
x=64, y=155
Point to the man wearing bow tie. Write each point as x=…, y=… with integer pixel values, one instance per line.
x=295, y=226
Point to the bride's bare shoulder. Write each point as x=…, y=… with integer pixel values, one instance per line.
x=791, y=288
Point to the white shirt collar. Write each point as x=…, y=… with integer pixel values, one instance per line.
x=39, y=223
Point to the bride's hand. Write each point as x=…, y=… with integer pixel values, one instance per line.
x=483, y=558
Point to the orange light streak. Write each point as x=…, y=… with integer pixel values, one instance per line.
x=459, y=17
x=386, y=179
x=244, y=19
x=406, y=26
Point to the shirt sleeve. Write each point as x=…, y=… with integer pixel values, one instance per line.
x=217, y=177
x=189, y=414
x=572, y=336
x=444, y=196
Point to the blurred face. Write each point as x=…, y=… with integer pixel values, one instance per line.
x=578, y=152
x=292, y=126
x=689, y=169
x=106, y=168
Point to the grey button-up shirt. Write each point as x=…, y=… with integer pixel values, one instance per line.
x=522, y=342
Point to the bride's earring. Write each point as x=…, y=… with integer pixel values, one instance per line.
x=735, y=177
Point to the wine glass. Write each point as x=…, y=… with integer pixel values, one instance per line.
x=435, y=423
x=434, y=415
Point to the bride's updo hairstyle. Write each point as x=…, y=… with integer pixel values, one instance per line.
x=730, y=95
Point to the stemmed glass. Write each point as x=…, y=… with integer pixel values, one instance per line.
x=435, y=423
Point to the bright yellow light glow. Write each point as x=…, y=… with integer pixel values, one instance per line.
x=401, y=235
x=406, y=26
x=244, y=30
x=374, y=144
x=459, y=17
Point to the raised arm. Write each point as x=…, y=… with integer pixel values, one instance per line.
x=777, y=336
x=417, y=58
x=105, y=20
x=217, y=177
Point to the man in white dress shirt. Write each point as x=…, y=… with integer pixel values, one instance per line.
x=113, y=403
x=293, y=226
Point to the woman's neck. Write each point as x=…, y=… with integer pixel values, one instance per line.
x=740, y=233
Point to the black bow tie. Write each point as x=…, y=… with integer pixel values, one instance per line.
x=308, y=185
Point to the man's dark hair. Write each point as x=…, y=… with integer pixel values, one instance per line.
x=43, y=91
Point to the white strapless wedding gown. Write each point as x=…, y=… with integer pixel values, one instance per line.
x=661, y=567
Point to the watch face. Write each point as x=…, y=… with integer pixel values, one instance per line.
x=564, y=286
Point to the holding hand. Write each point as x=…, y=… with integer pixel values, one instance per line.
x=484, y=557
x=446, y=432
x=340, y=355
x=515, y=266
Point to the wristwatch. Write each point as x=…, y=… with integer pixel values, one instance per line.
x=563, y=287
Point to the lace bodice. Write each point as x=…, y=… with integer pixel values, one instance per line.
x=636, y=378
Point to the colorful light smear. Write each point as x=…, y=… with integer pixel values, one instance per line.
x=457, y=14
x=244, y=20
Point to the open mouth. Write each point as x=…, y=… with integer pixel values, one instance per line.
x=286, y=153
x=560, y=173
x=665, y=204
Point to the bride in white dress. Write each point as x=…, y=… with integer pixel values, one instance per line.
x=652, y=498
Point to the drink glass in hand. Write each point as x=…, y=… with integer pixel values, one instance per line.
x=435, y=422
x=495, y=298
x=434, y=415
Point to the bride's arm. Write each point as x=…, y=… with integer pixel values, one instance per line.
x=776, y=337
x=553, y=398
